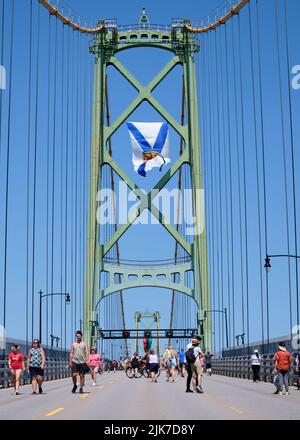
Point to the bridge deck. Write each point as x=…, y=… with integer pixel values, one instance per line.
x=118, y=398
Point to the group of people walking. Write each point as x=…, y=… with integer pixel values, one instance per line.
x=282, y=362
x=35, y=365
x=193, y=361
x=81, y=362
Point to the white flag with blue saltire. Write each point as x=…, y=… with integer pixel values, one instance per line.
x=150, y=145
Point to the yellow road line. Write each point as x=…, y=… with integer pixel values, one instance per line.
x=100, y=388
x=84, y=396
x=54, y=412
x=236, y=410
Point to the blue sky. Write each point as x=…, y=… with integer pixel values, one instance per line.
x=134, y=245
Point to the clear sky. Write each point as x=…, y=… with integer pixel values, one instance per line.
x=136, y=245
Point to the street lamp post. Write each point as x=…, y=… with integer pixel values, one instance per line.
x=226, y=324
x=268, y=269
x=268, y=259
x=68, y=300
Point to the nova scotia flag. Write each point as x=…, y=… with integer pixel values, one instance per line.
x=150, y=145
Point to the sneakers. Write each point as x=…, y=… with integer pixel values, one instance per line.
x=81, y=391
x=33, y=392
x=40, y=390
x=189, y=391
x=199, y=389
x=74, y=389
x=94, y=384
x=280, y=393
x=276, y=392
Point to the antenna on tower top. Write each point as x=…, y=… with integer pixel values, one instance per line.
x=144, y=20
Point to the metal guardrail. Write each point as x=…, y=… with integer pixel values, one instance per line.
x=55, y=368
x=240, y=367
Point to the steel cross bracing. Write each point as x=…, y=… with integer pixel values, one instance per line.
x=106, y=45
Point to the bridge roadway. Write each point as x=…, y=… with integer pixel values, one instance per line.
x=118, y=398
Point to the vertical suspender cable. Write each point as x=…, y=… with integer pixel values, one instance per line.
x=230, y=188
x=264, y=165
x=219, y=226
x=35, y=174
x=212, y=216
x=84, y=147
x=239, y=180
x=48, y=179
x=53, y=175
x=244, y=186
x=66, y=272
x=2, y=63
x=179, y=201
x=28, y=177
x=284, y=137
x=62, y=298
x=76, y=181
x=8, y=161
x=292, y=140
x=257, y=175
x=226, y=196
x=112, y=183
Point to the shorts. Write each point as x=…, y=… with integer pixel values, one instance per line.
x=208, y=366
x=171, y=363
x=94, y=369
x=182, y=365
x=153, y=368
x=36, y=371
x=13, y=371
x=79, y=369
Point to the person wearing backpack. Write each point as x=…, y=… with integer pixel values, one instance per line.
x=194, y=365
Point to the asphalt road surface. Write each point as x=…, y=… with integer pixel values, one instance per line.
x=118, y=398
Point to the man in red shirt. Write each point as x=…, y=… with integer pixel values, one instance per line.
x=283, y=361
x=16, y=365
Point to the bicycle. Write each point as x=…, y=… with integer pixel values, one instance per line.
x=146, y=372
x=130, y=374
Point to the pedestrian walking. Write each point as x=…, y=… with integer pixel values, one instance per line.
x=297, y=369
x=153, y=365
x=208, y=363
x=170, y=360
x=114, y=365
x=194, y=365
x=283, y=361
x=36, y=366
x=94, y=364
x=182, y=362
x=78, y=361
x=16, y=366
x=256, y=363
x=135, y=363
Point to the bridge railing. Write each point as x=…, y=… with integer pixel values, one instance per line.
x=240, y=367
x=55, y=368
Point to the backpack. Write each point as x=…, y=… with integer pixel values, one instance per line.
x=190, y=356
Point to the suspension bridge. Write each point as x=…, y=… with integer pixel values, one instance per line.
x=207, y=240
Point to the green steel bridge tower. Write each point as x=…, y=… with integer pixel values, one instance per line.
x=108, y=42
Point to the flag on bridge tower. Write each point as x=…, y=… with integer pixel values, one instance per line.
x=150, y=145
